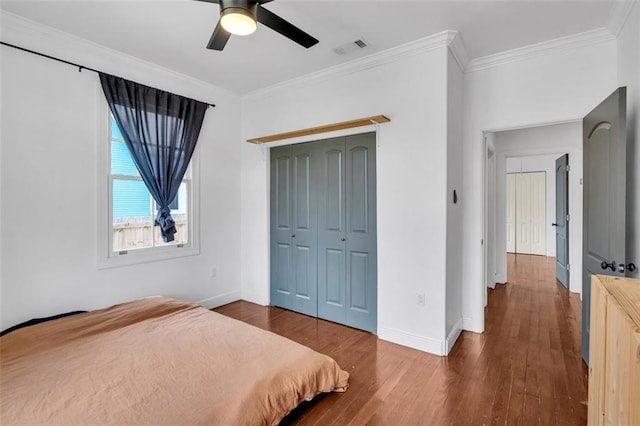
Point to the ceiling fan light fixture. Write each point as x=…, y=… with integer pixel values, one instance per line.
x=238, y=21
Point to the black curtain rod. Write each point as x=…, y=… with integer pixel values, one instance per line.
x=80, y=67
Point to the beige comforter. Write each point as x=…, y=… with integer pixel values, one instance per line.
x=156, y=361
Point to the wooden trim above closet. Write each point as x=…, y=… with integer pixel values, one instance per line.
x=366, y=121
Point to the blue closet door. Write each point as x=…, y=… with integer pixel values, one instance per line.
x=347, y=259
x=304, y=241
x=282, y=286
x=323, y=229
x=293, y=230
x=332, y=226
x=361, y=258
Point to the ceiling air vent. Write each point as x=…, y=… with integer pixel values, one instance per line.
x=348, y=48
x=360, y=43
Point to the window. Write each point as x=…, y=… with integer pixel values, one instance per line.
x=128, y=210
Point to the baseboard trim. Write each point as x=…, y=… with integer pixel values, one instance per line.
x=256, y=298
x=422, y=343
x=222, y=299
x=469, y=324
x=453, y=336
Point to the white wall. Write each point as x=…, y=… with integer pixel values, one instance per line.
x=629, y=75
x=48, y=169
x=562, y=85
x=454, y=211
x=541, y=163
x=410, y=87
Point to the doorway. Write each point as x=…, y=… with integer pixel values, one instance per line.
x=528, y=150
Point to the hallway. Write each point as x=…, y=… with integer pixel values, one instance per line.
x=525, y=369
x=536, y=322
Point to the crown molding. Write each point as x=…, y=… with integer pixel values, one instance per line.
x=458, y=49
x=435, y=41
x=559, y=44
x=51, y=41
x=30, y=34
x=619, y=15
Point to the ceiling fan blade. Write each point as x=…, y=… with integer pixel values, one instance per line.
x=288, y=30
x=219, y=38
x=210, y=1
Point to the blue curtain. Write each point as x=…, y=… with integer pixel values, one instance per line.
x=161, y=130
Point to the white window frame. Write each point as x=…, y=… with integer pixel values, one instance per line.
x=107, y=258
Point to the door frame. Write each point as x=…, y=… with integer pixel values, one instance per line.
x=488, y=211
x=266, y=156
x=575, y=235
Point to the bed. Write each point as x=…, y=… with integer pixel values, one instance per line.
x=157, y=361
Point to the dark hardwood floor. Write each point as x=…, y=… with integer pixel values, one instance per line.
x=526, y=368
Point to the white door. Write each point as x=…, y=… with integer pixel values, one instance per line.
x=526, y=213
x=511, y=212
x=523, y=213
x=538, y=237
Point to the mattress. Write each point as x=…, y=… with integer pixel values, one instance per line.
x=157, y=361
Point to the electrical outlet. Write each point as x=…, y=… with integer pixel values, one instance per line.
x=214, y=272
x=420, y=299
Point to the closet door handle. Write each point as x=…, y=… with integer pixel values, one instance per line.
x=343, y=239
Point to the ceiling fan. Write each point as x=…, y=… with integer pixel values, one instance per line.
x=239, y=17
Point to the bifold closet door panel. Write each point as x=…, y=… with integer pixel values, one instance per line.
x=282, y=286
x=523, y=213
x=304, y=240
x=526, y=213
x=361, y=260
x=511, y=213
x=323, y=229
x=331, y=188
x=538, y=213
x=293, y=230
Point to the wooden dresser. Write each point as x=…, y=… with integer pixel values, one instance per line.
x=614, y=351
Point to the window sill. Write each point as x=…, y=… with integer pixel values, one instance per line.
x=134, y=257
